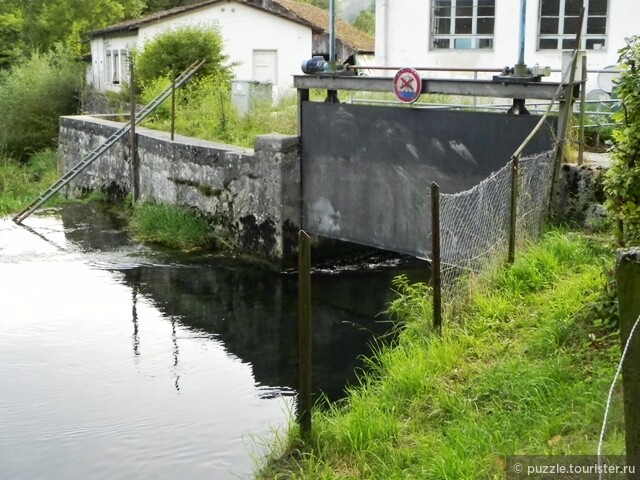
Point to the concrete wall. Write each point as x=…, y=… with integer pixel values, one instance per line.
x=395, y=48
x=253, y=195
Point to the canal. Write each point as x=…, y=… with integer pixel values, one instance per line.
x=122, y=362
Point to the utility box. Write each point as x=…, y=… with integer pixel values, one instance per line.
x=567, y=57
x=245, y=94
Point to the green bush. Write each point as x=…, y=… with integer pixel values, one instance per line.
x=33, y=95
x=175, y=50
x=622, y=181
x=22, y=182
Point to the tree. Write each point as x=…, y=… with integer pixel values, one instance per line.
x=179, y=48
x=317, y=3
x=34, y=93
x=11, y=44
x=366, y=20
x=159, y=5
x=52, y=21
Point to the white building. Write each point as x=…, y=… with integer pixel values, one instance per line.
x=485, y=33
x=267, y=39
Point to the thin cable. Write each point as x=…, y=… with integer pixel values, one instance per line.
x=613, y=384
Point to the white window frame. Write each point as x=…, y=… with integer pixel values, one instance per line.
x=117, y=62
x=450, y=40
x=566, y=41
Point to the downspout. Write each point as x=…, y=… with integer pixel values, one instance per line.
x=521, y=68
x=332, y=35
x=383, y=10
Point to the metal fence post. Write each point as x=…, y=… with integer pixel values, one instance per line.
x=304, y=333
x=435, y=256
x=583, y=95
x=133, y=144
x=628, y=279
x=173, y=103
x=513, y=216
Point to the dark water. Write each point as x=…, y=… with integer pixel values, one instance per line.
x=119, y=362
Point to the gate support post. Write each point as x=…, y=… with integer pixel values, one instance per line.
x=513, y=217
x=435, y=257
x=628, y=279
x=303, y=96
x=304, y=333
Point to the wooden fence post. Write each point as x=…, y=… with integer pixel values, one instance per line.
x=304, y=333
x=513, y=216
x=436, y=277
x=628, y=279
x=133, y=143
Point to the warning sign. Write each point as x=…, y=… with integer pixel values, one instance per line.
x=407, y=85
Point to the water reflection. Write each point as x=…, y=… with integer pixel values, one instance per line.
x=253, y=310
x=120, y=362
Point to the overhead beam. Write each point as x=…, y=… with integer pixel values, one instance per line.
x=476, y=88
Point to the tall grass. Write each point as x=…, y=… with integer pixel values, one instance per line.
x=519, y=370
x=204, y=110
x=170, y=226
x=21, y=183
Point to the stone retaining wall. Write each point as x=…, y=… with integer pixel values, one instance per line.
x=253, y=194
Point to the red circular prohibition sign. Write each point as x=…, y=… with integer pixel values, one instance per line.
x=407, y=85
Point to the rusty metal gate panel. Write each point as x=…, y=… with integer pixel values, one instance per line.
x=367, y=170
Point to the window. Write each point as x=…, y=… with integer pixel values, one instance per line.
x=462, y=24
x=559, y=24
x=117, y=67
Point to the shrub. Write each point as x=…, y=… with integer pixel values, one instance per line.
x=622, y=181
x=175, y=50
x=33, y=95
x=20, y=183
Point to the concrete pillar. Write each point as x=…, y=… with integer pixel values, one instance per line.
x=277, y=163
x=628, y=278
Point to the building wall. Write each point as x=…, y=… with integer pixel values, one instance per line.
x=98, y=76
x=244, y=29
x=403, y=38
x=253, y=195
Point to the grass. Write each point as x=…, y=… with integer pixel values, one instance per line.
x=523, y=368
x=170, y=226
x=204, y=110
x=21, y=183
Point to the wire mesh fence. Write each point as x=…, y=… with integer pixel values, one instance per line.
x=475, y=224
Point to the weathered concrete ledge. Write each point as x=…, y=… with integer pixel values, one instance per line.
x=252, y=194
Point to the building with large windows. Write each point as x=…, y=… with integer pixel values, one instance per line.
x=485, y=33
